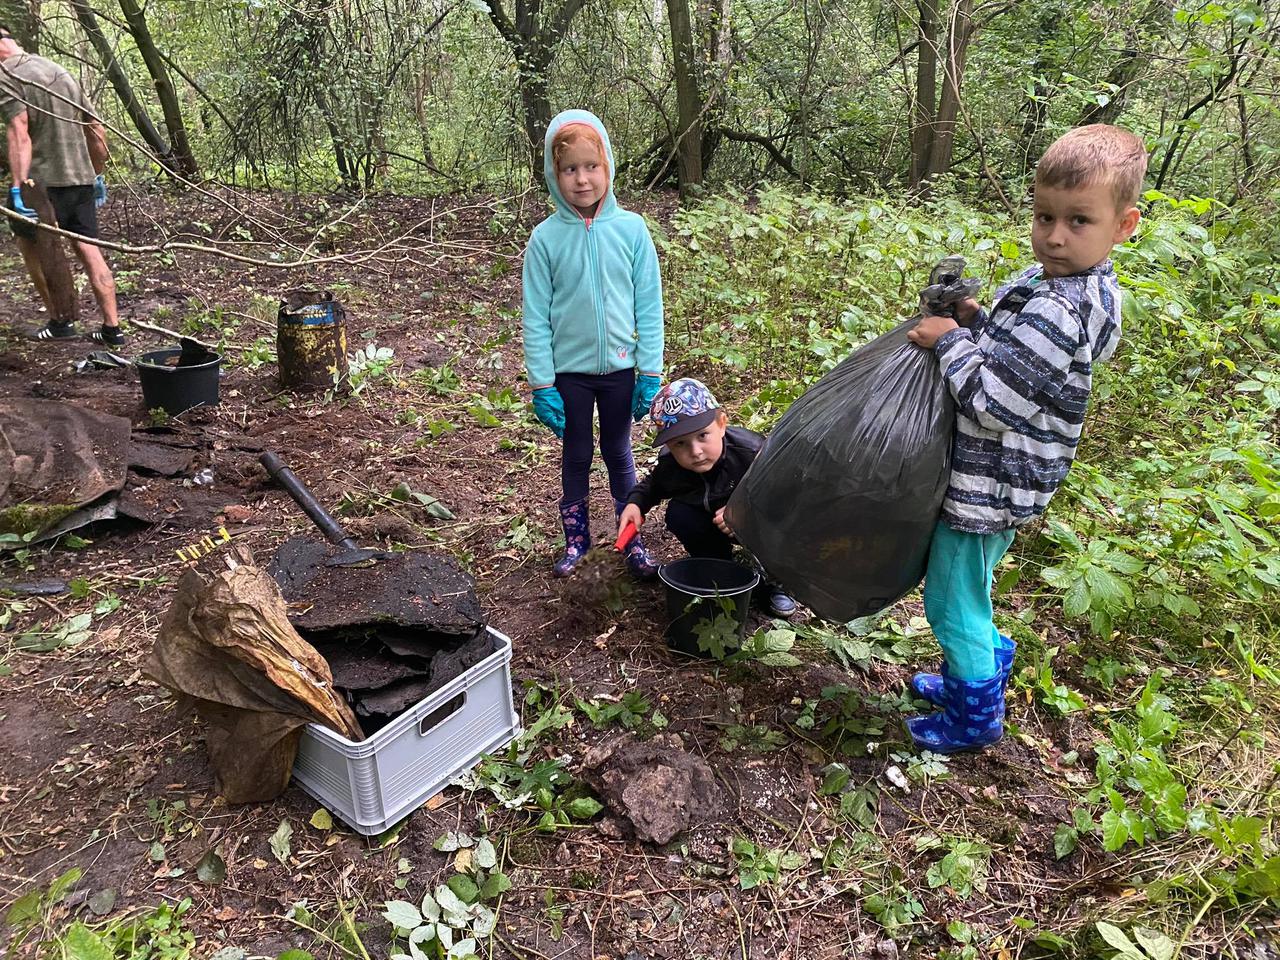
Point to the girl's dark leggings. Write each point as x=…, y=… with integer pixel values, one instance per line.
x=611, y=394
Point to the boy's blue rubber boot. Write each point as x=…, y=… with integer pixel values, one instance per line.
x=971, y=717
x=639, y=563
x=928, y=686
x=577, y=537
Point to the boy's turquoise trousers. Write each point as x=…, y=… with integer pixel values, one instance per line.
x=957, y=598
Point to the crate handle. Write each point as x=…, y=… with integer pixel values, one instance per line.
x=441, y=713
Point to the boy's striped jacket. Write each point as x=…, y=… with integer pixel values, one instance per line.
x=1021, y=378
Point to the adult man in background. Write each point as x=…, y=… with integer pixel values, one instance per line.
x=56, y=141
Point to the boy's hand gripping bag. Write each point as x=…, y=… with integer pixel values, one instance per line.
x=840, y=505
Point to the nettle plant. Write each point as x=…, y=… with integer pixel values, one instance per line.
x=759, y=866
x=545, y=788
x=629, y=711
x=1173, y=503
x=1139, y=796
x=717, y=637
x=1161, y=537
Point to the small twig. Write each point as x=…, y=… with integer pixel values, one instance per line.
x=520, y=952
x=742, y=935
x=1195, y=921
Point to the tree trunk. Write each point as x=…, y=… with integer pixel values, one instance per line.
x=815, y=18
x=347, y=171
x=536, y=102
x=1246, y=148
x=923, y=112
x=533, y=44
x=422, y=90
x=688, y=102
x=120, y=81
x=655, y=53
x=952, y=82
x=1120, y=76
x=1124, y=71
x=712, y=23
x=136, y=20
x=1047, y=65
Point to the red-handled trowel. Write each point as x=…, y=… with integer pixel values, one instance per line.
x=628, y=534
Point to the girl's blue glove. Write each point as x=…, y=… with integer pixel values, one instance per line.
x=642, y=397
x=548, y=407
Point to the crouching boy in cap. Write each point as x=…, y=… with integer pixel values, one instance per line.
x=703, y=460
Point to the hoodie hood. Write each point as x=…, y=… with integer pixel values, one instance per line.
x=564, y=209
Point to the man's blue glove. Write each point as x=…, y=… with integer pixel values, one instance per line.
x=99, y=190
x=548, y=407
x=642, y=397
x=15, y=200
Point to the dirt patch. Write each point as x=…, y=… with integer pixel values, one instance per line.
x=421, y=590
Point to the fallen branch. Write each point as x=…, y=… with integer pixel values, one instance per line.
x=304, y=261
x=778, y=157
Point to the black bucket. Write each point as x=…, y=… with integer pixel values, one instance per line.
x=700, y=589
x=175, y=389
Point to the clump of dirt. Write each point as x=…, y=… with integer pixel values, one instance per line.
x=655, y=786
x=383, y=669
x=600, y=588
x=385, y=527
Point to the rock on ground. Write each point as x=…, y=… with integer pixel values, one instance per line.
x=656, y=786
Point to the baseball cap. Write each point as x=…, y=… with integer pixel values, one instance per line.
x=682, y=406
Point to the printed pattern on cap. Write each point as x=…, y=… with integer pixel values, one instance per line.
x=679, y=400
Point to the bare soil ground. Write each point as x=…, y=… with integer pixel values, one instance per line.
x=98, y=767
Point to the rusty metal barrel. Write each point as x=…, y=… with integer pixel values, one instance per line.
x=311, y=341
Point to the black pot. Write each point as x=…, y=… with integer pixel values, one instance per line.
x=700, y=589
x=176, y=389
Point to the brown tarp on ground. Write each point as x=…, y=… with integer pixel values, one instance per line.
x=55, y=458
x=226, y=647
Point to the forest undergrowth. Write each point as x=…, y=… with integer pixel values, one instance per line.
x=1159, y=559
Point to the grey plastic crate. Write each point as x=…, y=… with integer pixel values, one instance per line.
x=374, y=784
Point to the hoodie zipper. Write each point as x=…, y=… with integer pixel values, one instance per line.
x=597, y=297
x=597, y=288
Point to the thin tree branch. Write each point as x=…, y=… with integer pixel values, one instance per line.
x=739, y=136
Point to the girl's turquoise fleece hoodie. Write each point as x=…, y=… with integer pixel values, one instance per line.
x=592, y=293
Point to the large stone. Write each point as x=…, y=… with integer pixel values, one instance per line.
x=655, y=786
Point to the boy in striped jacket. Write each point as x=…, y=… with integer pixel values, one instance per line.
x=1021, y=377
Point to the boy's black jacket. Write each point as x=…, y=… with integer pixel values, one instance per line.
x=710, y=490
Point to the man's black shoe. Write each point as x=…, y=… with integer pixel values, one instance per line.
x=111, y=336
x=55, y=331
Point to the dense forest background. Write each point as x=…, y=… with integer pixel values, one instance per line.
x=842, y=95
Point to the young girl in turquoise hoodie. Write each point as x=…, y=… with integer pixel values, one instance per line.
x=592, y=325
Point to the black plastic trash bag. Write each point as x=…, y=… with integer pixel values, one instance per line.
x=840, y=505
